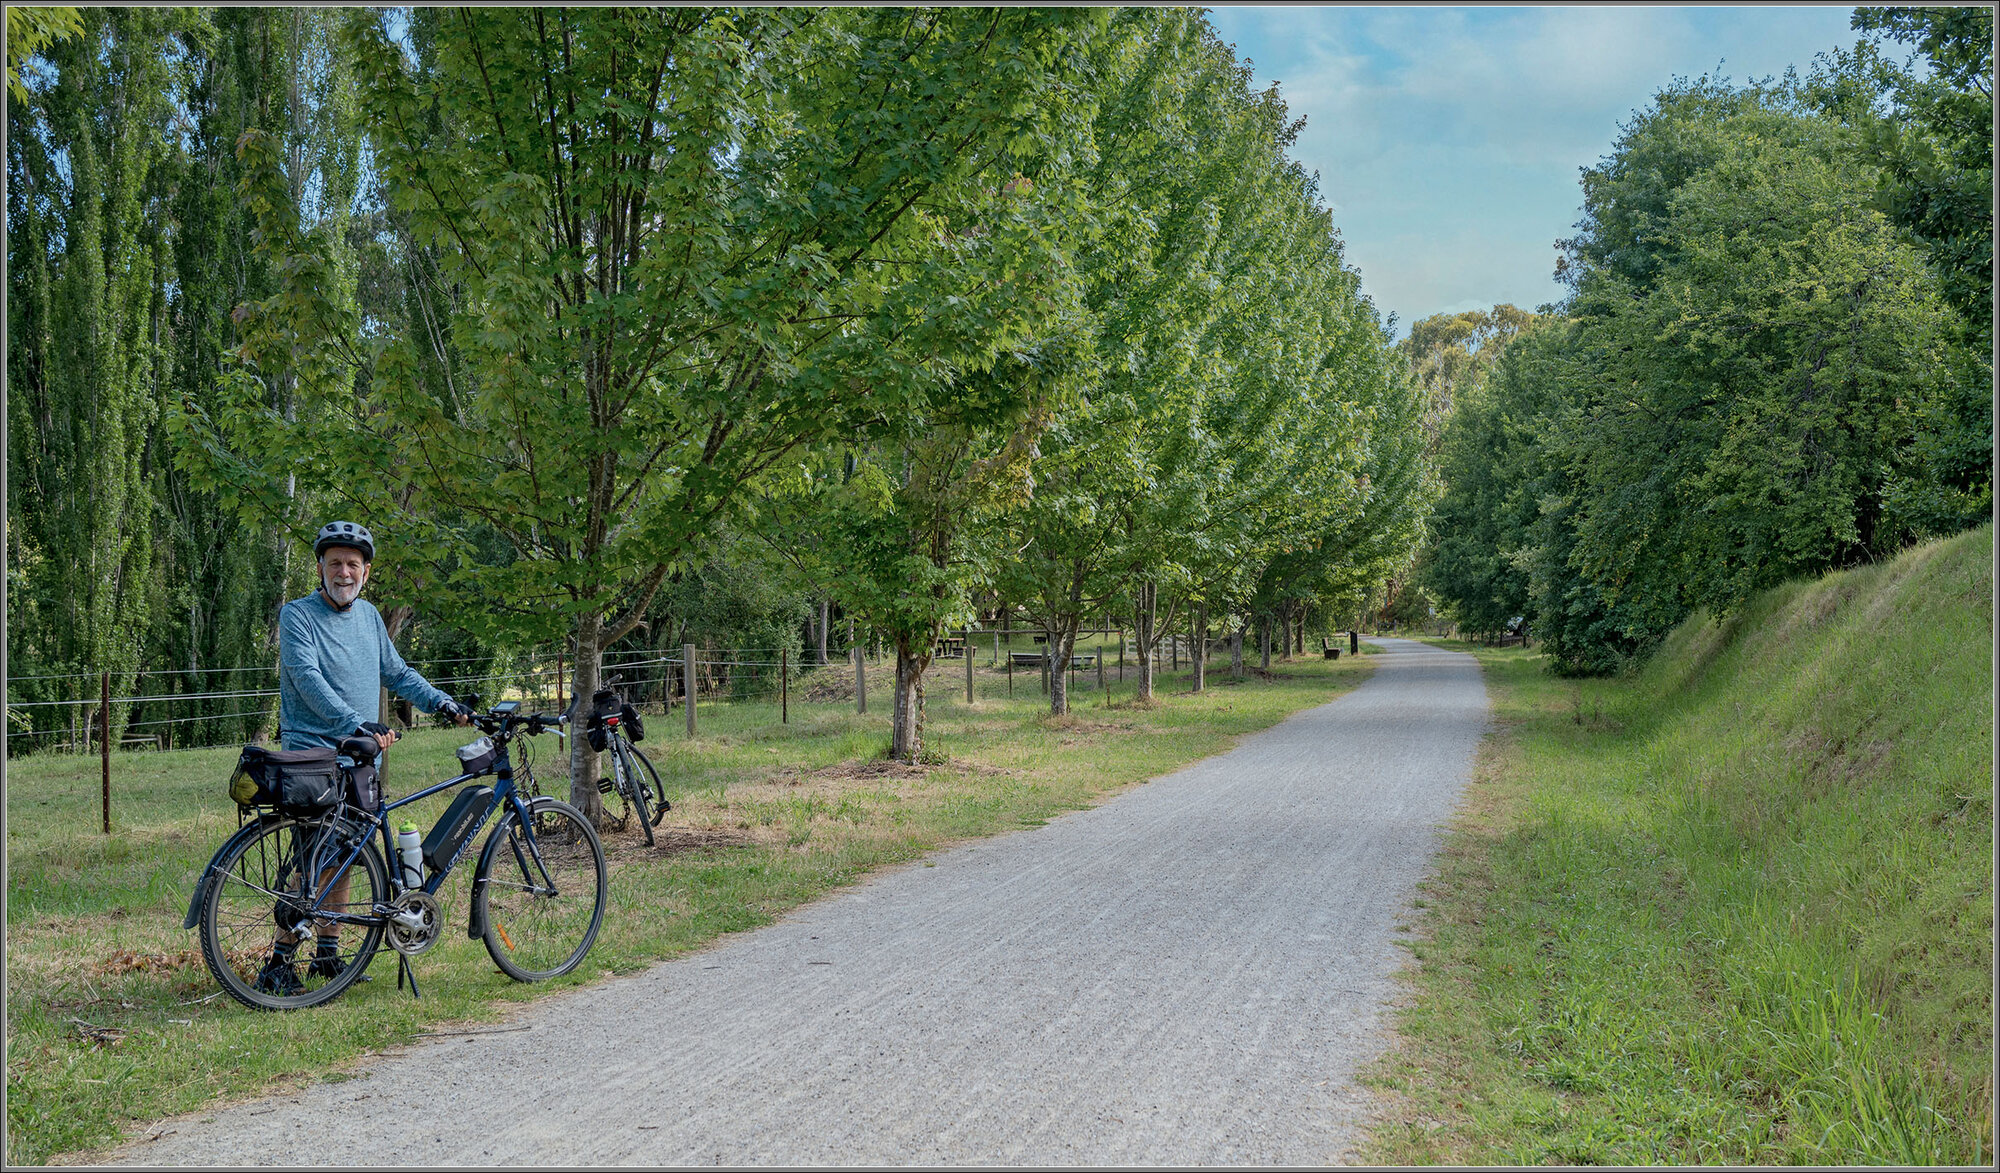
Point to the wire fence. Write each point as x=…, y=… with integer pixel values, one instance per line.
x=175, y=715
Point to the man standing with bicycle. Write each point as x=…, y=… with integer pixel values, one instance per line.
x=334, y=652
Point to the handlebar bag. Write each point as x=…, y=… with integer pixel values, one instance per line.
x=299, y=782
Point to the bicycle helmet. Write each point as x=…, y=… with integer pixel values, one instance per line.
x=345, y=533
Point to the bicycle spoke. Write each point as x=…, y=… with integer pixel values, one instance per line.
x=542, y=897
x=260, y=893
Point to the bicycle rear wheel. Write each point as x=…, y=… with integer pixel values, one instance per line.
x=634, y=786
x=262, y=882
x=649, y=781
x=540, y=891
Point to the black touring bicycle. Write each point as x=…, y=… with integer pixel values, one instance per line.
x=304, y=873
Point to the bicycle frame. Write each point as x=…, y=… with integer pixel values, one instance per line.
x=504, y=792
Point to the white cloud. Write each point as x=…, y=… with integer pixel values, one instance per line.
x=1448, y=139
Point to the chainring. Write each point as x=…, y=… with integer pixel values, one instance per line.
x=412, y=939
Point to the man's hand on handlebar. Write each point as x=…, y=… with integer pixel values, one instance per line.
x=459, y=714
x=383, y=735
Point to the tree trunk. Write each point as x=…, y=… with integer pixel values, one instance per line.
x=1200, y=648
x=824, y=620
x=906, y=723
x=1062, y=644
x=1142, y=632
x=1236, y=652
x=1264, y=642
x=582, y=759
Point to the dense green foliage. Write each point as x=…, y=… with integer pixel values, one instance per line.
x=1244, y=433
x=584, y=309
x=1757, y=375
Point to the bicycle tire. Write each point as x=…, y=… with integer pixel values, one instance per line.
x=634, y=787
x=659, y=800
x=534, y=934
x=249, y=878
x=609, y=794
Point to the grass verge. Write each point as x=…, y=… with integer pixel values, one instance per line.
x=1733, y=909
x=112, y=1020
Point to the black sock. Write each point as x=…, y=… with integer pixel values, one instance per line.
x=282, y=950
x=328, y=946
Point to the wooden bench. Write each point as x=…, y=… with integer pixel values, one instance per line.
x=1026, y=659
x=950, y=648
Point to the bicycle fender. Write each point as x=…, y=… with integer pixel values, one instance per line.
x=200, y=893
x=475, y=925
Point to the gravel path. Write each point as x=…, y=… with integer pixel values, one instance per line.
x=1188, y=974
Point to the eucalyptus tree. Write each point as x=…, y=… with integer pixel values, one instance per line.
x=683, y=244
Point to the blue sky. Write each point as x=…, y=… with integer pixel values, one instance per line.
x=1448, y=139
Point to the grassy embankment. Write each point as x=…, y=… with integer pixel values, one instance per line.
x=112, y=1019
x=1736, y=908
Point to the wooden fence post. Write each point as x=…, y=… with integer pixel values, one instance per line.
x=968, y=666
x=688, y=683
x=104, y=723
x=860, y=681
x=784, y=695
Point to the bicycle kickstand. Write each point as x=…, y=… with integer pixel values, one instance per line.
x=403, y=970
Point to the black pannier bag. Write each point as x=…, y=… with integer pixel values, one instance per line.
x=628, y=720
x=603, y=703
x=299, y=782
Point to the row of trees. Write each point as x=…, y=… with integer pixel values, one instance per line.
x=1775, y=357
x=903, y=309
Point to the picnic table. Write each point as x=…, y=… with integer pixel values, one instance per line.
x=1037, y=659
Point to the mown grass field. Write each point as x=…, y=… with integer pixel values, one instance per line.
x=1734, y=909
x=112, y=1020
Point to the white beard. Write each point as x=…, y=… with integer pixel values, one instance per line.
x=343, y=596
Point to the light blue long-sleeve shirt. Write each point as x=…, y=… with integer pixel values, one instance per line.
x=330, y=664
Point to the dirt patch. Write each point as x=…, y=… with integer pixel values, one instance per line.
x=627, y=846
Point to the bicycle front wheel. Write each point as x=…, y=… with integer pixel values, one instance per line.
x=540, y=891
x=257, y=893
x=635, y=787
